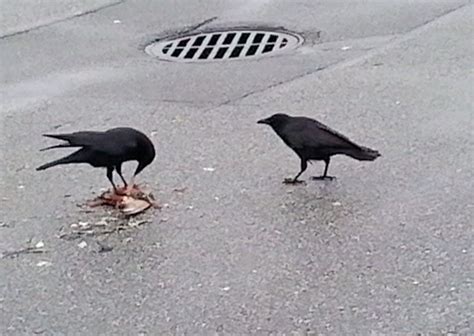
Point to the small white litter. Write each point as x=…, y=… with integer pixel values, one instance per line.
x=44, y=264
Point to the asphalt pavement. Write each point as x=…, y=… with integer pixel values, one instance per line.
x=385, y=249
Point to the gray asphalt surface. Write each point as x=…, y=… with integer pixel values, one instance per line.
x=384, y=249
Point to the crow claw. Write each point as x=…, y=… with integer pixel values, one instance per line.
x=292, y=181
x=322, y=178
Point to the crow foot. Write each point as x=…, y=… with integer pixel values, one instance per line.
x=323, y=178
x=130, y=200
x=128, y=190
x=292, y=181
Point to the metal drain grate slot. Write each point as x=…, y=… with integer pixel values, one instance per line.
x=220, y=54
x=214, y=39
x=183, y=43
x=205, y=53
x=252, y=51
x=236, y=52
x=258, y=38
x=223, y=45
x=198, y=41
x=243, y=38
x=272, y=38
x=268, y=48
x=191, y=52
x=177, y=52
x=229, y=38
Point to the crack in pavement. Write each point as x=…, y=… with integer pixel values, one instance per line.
x=53, y=22
x=168, y=34
x=399, y=38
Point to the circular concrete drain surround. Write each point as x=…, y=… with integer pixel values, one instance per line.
x=224, y=45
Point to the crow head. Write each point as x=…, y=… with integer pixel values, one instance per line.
x=146, y=153
x=276, y=121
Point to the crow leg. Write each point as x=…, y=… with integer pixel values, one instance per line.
x=127, y=188
x=118, y=169
x=325, y=175
x=130, y=188
x=110, y=171
x=295, y=180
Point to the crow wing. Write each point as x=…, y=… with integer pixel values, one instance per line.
x=304, y=132
x=113, y=144
x=78, y=139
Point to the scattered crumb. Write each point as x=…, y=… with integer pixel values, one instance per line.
x=82, y=244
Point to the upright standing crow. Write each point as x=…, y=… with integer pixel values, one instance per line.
x=107, y=149
x=312, y=140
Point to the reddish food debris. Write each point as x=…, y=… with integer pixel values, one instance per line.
x=130, y=201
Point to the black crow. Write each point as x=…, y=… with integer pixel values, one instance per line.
x=312, y=140
x=107, y=149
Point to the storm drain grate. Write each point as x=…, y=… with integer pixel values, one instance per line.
x=223, y=45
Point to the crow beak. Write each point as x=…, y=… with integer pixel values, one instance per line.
x=263, y=121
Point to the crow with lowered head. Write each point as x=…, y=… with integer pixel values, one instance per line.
x=109, y=149
x=312, y=140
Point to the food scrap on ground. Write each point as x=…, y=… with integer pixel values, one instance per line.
x=131, y=203
x=104, y=226
x=37, y=248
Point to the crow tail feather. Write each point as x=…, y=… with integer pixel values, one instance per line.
x=364, y=154
x=76, y=157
